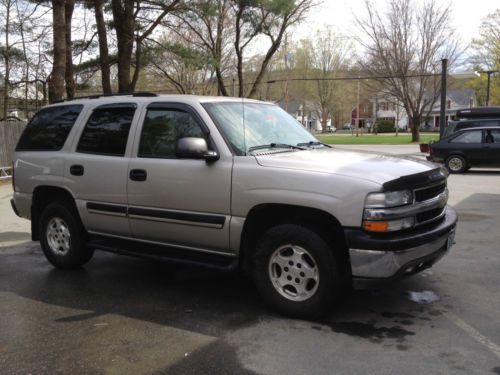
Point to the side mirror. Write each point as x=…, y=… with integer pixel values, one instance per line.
x=194, y=148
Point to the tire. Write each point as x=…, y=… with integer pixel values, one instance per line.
x=296, y=271
x=62, y=236
x=456, y=164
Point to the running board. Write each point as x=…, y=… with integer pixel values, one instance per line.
x=163, y=253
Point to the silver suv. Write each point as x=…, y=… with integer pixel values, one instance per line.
x=227, y=183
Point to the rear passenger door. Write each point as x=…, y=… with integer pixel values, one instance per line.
x=181, y=202
x=96, y=171
x=491, y=150
x=470, y=144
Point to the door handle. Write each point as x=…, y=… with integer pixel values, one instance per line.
x=138, y=175
x=76, y=170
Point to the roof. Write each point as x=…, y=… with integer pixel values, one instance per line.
x=151, y=97
x=461, y=96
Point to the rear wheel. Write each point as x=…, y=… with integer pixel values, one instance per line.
x=62, y=236
x=456, y=164
x=296, y=271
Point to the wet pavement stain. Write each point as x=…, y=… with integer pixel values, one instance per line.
x=496, y=370
x=405, y=322
x=403, y=348
x=370, y=332
x=387, y=314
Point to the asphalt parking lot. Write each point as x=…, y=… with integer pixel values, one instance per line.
x=121, y=315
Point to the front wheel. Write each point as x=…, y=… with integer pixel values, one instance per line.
x=296, y=271
x=62, y=236
x=456, y=164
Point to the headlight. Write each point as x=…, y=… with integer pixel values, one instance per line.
x=389, y=199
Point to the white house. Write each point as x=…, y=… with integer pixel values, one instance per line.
x=391, y=109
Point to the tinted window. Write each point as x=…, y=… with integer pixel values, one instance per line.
x=468, y=137
x=161, y=130
x=106, y=131
x=49, y=128
x=492, y=136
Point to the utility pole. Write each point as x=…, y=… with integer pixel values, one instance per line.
x=442, y=113
x=357, y=110
x=489, y=73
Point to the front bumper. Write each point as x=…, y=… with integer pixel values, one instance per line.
x=377, y=259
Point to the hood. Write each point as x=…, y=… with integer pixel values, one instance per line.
x=376, y=167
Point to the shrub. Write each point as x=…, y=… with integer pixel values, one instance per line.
x=385, y=126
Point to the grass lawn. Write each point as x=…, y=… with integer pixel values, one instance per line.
x=372, y=139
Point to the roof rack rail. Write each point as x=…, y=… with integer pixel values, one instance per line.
x=479, y=112
x=141, y=94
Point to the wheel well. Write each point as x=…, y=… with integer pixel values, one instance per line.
x=43, y=196
x=263, y=217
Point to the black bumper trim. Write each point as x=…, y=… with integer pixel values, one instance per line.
x=360, y=239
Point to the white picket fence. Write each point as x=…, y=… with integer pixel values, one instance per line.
x=10, y=131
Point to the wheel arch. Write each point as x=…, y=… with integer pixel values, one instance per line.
x=42, y=196
x=264, y=216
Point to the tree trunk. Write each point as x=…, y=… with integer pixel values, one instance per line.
x=124, y=25
x=415, y=128
x=56, y=79
x=103, y=47
x=69, y=6
x=263, y=67
x=6, y=62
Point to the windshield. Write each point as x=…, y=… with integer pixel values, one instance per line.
x=249, y=125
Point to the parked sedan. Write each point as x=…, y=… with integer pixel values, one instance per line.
x=467, y=148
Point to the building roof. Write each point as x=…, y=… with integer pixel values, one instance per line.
x=292, y=107
x=461, y=96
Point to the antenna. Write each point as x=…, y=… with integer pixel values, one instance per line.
x=244, y=128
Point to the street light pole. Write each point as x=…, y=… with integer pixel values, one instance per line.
x=489, y=73
x=442, y=113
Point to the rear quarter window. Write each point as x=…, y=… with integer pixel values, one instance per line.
x=49, y=128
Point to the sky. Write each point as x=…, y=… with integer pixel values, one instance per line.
x=467, y=16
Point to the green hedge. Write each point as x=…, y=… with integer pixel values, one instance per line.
x=385, y=126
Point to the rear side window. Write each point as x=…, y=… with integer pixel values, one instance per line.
x=161, y=130
x=106, y=131
x=473, y=136
x=49, y=128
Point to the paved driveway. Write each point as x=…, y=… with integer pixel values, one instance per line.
x=121, y=315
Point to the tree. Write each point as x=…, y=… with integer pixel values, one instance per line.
x=187, y=68
x=408, y=41
x=222, y=25
x=487, y=56
x=103, y=46
x=329, y=54
x=57, y=76
x=134, y=21
x=270, y=19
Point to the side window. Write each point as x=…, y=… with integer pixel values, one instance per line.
x=49, y=128
x=161, y=130
x=468, y=137
x=495, y=136
x=106, y=131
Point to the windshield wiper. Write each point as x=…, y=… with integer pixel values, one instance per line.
x=275, y=145
x=312, y=143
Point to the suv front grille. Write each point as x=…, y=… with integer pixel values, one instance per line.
x=429, y=192
x=426, y=216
